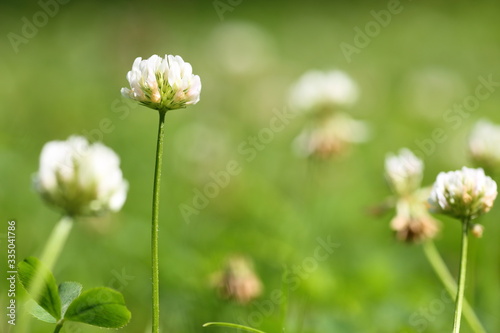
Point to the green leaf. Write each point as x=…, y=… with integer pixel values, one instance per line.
x=68, y=291
x=241, y=327
x=103, y=307
x=38, y=312
x=48, y=298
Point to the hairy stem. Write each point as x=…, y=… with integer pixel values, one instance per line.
x=59, y=326
x=155, y=225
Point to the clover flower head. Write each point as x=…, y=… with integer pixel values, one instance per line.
x=404, y=172
x=484, y=144
x=80, y=178
x=238, y=280
x=317, y=90
x=412, y=222
x=330, y=136
x=163, y=83
x=465, y=193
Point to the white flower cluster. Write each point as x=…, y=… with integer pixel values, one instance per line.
x=404, y=172
x=163, y=83
x=484, y=144
x=316, y=90
x=465, y=193
x=325, y=96
x=81, y=178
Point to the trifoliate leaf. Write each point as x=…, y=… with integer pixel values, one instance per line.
x=38, y=312
x=48, y=296
x=103, y=307
x=68, y=291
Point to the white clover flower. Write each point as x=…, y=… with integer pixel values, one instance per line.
x=331, y=136
x=317, y=90
x=484, y=144
x=403, y=172
x=465, y=193
x=81, y=178
x=163, y=83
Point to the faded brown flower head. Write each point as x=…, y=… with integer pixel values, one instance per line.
x=413, y=223
x=330, y=136
x=237, y=281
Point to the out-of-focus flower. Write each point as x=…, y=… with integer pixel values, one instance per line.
x=412, y=222
x=477, y=230
x=330, y=136
x=465, y=193
x=484, y=144
x=163, y=83
x=238, y=281
x=316, y=91
x=81, y=178
x=403, y=172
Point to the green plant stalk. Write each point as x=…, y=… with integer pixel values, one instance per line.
x=49, y=256
x=56, y=242
x=461, y=275
x=444, y=275
x=59, y=326
x=155, y=225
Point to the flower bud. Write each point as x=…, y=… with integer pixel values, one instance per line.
x=465, y=193
x=477, y=230
x=80, y=178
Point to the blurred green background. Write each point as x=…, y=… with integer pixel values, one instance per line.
x=66, y=79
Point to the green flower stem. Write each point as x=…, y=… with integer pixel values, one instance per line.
x=461, y=275
x=49, y=256
x=56, y=242
x=444, y=275
x=155, y=225
x=59, y=326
